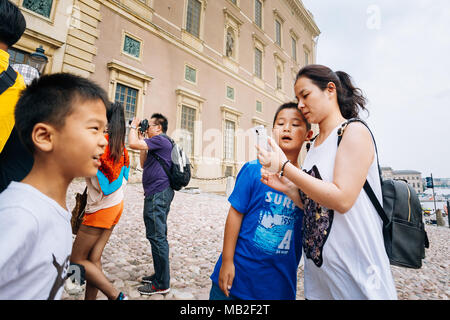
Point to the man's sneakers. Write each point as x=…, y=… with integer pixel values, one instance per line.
x=149, y=289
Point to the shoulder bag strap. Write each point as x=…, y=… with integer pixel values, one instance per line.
x=161, y=162
x=367, y=186
x=158, y=158
x=7, y=79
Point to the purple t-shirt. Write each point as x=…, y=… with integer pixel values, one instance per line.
x=154, y=178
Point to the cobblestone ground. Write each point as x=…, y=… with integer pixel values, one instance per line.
x=195, y=233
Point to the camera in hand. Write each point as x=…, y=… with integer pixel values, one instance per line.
x=143, y=125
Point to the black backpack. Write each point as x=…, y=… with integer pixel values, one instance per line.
x=179, y=173
x=405, y=238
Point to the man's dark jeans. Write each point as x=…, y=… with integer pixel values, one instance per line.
x=156, y=210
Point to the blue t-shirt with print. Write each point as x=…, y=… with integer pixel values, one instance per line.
x=268, y=249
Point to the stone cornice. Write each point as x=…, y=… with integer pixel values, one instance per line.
x=227, y=12
x=44, y=38
x=123, y=67
x=303, y=14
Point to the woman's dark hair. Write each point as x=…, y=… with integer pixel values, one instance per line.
x=12, y=23
x=350, y=98
x=290, y=105
x=116, y=130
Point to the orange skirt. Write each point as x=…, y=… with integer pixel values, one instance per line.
x=104, y=218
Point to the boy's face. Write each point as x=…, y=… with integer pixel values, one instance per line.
x=79, y=144
x=290, y=130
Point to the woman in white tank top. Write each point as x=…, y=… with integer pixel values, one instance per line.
x=343, y=243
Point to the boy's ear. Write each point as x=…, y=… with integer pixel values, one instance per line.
x=42, y=137
x=309, y=135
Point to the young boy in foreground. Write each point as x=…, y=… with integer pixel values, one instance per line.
x=61, y=120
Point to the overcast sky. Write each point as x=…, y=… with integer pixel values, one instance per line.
x=398, y=53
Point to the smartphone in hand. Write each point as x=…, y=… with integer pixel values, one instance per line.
x=261, y=137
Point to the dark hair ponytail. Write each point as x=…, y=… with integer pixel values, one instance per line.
x=350, y=99
x=116, y=130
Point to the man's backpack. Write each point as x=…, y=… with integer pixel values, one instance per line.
x=179, y=173
x=405, y=238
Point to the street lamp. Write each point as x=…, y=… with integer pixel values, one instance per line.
x=38, y=60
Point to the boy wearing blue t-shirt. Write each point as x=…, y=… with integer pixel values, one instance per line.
x=263, y=232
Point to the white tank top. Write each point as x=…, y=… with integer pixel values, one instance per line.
x=344, y=254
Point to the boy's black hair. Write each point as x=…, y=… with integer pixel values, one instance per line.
x=160, y=119
x=12, y=23
x=291, y=105
x=50, y=99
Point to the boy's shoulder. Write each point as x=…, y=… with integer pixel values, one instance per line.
x=18, y=195
x=24, y=197
x=251, y=167
x=18, y=207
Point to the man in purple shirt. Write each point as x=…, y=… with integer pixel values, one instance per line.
x=158, y=197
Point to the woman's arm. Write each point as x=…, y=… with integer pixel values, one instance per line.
x=232, y=228
x=353, y=159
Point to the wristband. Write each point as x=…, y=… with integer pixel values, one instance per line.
x=282, y=167
x=132, y=127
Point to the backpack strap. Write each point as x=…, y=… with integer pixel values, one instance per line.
x=161, y=162
x=168, y=138
x=159, y=159
x=367, y=187
x=7, y=79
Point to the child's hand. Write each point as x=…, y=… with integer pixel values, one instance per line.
x=272, y=161
x=226, y=277
x=276, y=182
x=281, y=184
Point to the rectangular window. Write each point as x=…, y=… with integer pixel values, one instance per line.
x=306, y=58
x=187, y=124
x=17, y=56
x=230, y=93
x=258, y=13
x=278, y=32
x=259, y=106
x=193, y=17
x=131, y=46
x=190, y=74
x=294, y=49
x=229, y=140
x=258, y=63
x=42, y=7
x=128, y=98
